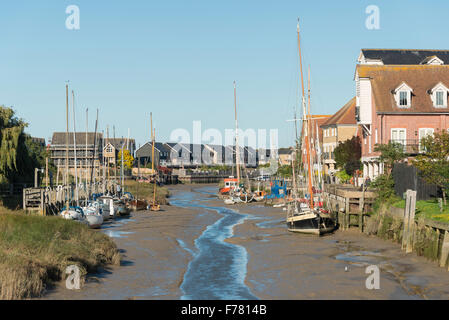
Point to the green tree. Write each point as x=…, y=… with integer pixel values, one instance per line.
x=343, y=176
x=19, y=155
x=390, y=154
x=285, y=171
x=433, y=164
x=128, y=159
x=347, y=155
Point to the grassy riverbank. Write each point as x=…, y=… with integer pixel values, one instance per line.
x=428, y=209
x=35, y=251
x=142, y=190
x=426, y=241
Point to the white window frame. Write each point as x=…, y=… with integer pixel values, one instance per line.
x=398, y=140
x=440, y=87
x=420, y=136
x=397, y=95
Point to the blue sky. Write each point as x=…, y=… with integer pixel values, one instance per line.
x=178, y=59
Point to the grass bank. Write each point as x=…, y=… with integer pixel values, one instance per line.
x=35, y=252
x=428, y=209
x=143, y=190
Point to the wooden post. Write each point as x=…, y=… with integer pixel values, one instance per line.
x=46, y=171
x=347, y=216
x=406, y=220
x=411, y=223
x=24, y=199
x=444, y=250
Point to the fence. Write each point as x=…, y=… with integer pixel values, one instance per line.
x=13, y=189
x=406, y=177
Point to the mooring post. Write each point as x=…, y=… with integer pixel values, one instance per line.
x=347, y=217
x=444, y=250
x=406, y=220
x=24, y=199
x=411, y=224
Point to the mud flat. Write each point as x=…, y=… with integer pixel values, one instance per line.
x=198, y=248
x=285, y=265
x=156, y=249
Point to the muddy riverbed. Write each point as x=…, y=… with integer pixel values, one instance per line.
x=198, y=248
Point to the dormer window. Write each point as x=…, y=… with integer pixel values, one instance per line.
x=433, y=60
x=439, y=96
x=403, y=96
x=439, y=99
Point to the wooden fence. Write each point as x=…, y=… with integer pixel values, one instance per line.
x=13, y=189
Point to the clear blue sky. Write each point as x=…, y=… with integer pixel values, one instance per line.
x=178, y=59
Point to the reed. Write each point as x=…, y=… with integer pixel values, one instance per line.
x=36, y=250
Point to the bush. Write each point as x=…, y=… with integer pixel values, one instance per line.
x=384, y=186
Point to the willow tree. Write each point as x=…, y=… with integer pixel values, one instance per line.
x=17, y=163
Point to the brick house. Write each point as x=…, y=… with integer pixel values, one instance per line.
x=338, y=128
x=401, y=96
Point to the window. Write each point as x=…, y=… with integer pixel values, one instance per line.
x=403, y=98
x=439, y=95
x=398, y=135
x=439, y=99
x=403, y=95
x=423, y=132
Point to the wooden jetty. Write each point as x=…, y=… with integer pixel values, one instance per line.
x=49, y=201
x=350, y=204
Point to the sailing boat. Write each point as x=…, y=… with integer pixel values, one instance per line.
x=154, y=206
x=236, y=193
x=305, y=218
x=70, y=212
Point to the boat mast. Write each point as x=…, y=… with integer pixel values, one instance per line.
x=74, y=149
x=152, y=141
x=67, y=142
x=95, y=152
x=121, y=168
x=115, y=158
x=153, y=133
x=309, y=165
x=307, y=120
x=107, y=143
x=87, y=163
x=237, y=151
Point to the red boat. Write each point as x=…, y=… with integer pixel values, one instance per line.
x=229, y=184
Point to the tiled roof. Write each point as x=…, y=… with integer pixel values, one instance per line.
x=404, y=56
x=59, y=138
x=421, y=78
x=346, y=115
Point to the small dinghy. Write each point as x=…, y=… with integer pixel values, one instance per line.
x=93, y=215
x=74, y=213
x=94, y=220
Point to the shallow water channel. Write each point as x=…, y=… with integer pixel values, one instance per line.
x=218, y=268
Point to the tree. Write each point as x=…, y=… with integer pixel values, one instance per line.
x=285, y=171
x=347, y=155
x=128, y=159
x=433, y=164
x=19, y=155
x=390, y=154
